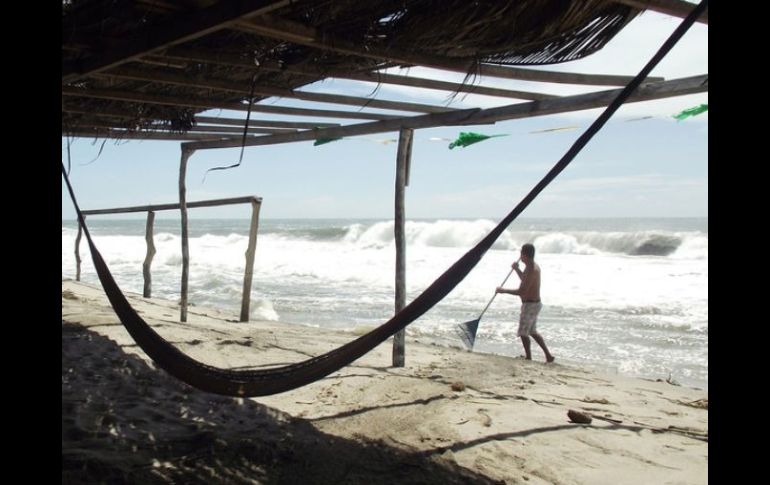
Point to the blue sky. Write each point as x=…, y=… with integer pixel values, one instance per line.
x=645, y=168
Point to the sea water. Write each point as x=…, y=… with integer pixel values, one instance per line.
x=624, y=295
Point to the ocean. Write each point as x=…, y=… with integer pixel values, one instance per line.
x=626, y=296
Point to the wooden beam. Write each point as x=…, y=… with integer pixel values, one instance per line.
x=403, y=155
x=175, y=29
x=165, y=207
x=213, y=57
x=125, y=135
x=134, y=97
x=666, y=89
x=200, y=82
x=154, y=60
x=105, y=113
x=675, y=8
x=379, y=77
x=195, y=129
x=186, y=153
x=248, y=273
x=280, y=28
x=235, y=131
x=253, y=122
x=301, y=34
x=162, y=77
x=147, y=265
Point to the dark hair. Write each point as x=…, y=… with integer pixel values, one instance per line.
x=529, y=250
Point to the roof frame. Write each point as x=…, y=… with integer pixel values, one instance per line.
x=150, y=67
x=676, y=87
x=281, y=29
x=174, y=30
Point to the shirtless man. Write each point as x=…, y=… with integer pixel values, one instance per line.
x=529, y=292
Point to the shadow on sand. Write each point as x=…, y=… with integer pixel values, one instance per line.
x=125, y=422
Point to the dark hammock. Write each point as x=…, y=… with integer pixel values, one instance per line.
x=272, y=381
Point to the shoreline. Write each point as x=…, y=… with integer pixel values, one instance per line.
x=478, y=417
x=481, y=347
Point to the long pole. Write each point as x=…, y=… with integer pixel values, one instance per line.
x=402, y=164
x=185, y=237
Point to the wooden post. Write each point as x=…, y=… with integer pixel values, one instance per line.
x=150, y=254
x=249, y=272
x=185, y=243
x=402, y=162
x=77, y=249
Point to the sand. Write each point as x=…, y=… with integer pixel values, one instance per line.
x=449, y=416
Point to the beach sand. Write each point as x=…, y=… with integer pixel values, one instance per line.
x=450, y=416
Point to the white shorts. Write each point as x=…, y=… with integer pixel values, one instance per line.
x=528, y=318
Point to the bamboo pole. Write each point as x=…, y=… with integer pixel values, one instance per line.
x=402, y=161
x=77, y=250
x=216, y=57
x=127, y=114
x=150, y=254
x=135, y=97
x=164, y=207
x=176, y=79
x=475, y=116
x=249, y=272
x=186, y=153
x=267, y=123
x=126, y=135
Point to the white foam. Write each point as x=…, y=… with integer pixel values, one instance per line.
x=595, y=293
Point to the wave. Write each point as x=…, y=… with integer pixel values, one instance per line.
x=464, y=234
x=461, y=234
x=637, y=243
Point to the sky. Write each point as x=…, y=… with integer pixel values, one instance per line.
x=652, y=167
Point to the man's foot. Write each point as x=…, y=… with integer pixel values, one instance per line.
x=549, y=359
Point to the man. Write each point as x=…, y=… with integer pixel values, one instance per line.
x=529, y=292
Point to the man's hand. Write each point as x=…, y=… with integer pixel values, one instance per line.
x=516, y=265
x=499, y=289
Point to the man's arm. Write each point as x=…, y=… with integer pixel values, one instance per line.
x=526, y=281
x=515, y=267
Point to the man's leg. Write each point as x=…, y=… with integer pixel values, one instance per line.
x=539, y=339
x=527, y=344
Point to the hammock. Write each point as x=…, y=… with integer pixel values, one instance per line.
x=264, y=382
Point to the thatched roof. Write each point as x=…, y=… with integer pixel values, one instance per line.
x=151, y=65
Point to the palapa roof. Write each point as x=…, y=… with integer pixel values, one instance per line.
x=147, y=67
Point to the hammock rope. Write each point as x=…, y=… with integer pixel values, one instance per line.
x=263, y=382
